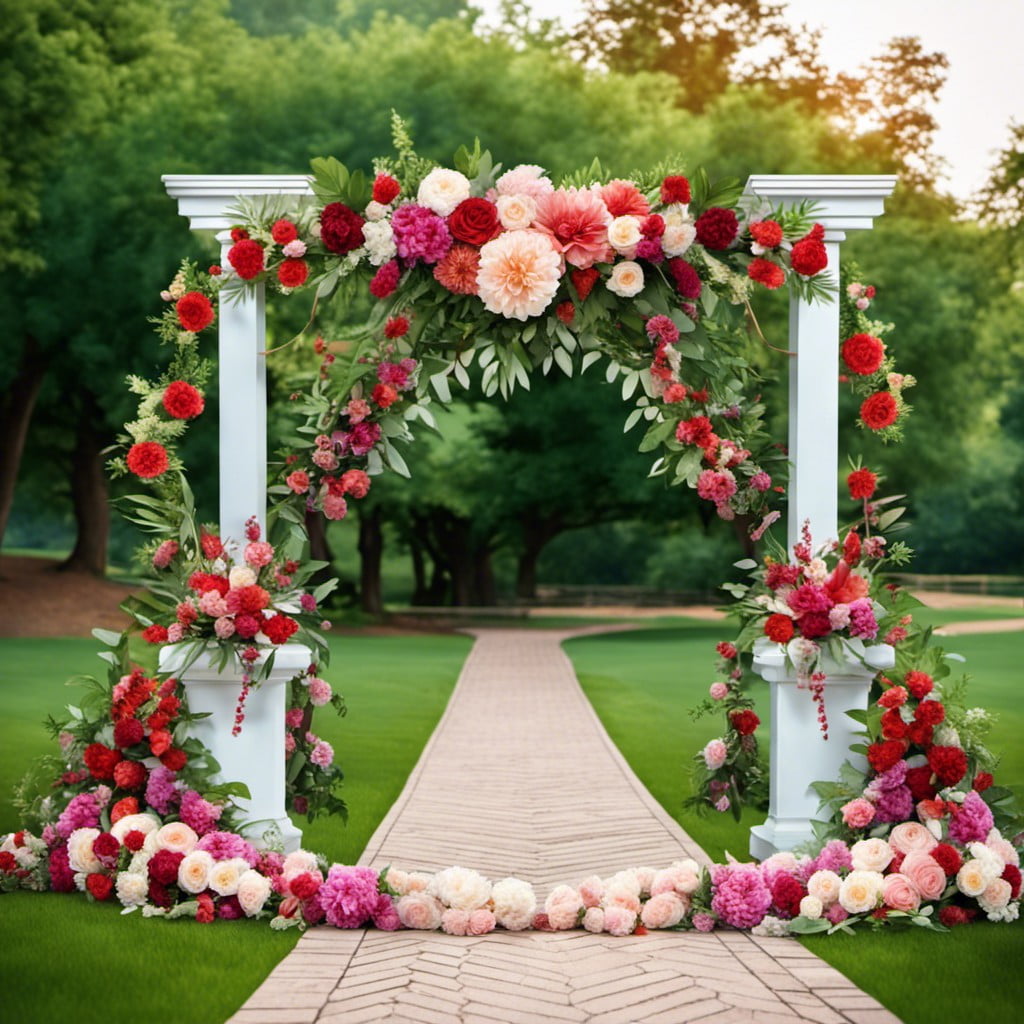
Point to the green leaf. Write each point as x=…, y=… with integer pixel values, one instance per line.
x=107, y=636
x=656, y=433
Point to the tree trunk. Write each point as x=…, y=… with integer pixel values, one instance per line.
x=419, y=573
x=536, y=536
x=742, y=525
x=371, y=548
x=16, y=409
x=89, y=494
x=485, y=589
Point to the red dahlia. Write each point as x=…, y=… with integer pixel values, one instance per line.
x=475, y=221
x=293, y=272
x=341, y=228
x=675, y=189
x=195, y=311
x=771, y=275
x=163, y=866
x=687, y=280
x=879, y=411
x=862, y=484
x=948, y=763
x=863, y=353
x=779, y=628
x=808, y=256
x=182, y=401
x=147, y=459
x=583, y=281
x=953, y=915
x=283, y=232
x=385, y=188
x=766, y=232
x=717, y=228
x=385, y=281
x=246, y=257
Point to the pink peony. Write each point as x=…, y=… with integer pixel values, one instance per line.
x=563, y=907
x=420, y=234
x=161, y=792
x=82, y=812
x=862, y=619
x=619, y=921
x=199, y=814
x=348, y=896
x=715, y=753
x=834, y=856
x=591, y=891
x=228, y=846
x=741, y=897
x=480, y=922
x=576, y=221
x=519, y=274
x=662, y=911
x=385, y=915
x=524, y=180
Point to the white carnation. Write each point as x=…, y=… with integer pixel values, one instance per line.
x=442, y=190
x=374, y=212
x=132, y=888
x=379, y=242
x=514, y=904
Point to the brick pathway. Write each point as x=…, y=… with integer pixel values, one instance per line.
x=520, y=778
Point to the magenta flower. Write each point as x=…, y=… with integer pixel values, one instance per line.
x=420, y=234
x=741, y=898
x=349, y=896
x=226, y=846
x=972, y=822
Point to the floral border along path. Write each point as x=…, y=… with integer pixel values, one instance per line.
x=520, y=778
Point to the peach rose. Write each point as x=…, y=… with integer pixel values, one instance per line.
x=563, y=906
x=619, y=893
x=177, y=837
x=461, y=888
x=419, y=910
x=225, y=875
x=298, y=863
x=455, y=922
x=627, y=279
x=860, y=891
x=972, y=879
x=591, y=889
x=619, y=921
x=516, y=212
x=253, y=892
x=514, y=904
x=681, y=877
x=80, y=855
x=925, y=874
x=900, y=893
x=996, y=896
x=662, y=911
x=910, y=836
x=194, y=871
x=871, y=855
x=624, y=235
x=825, y=886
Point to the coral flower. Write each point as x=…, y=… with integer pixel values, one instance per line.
x=577, y=222
x=519, y=274
x=458, y=269
x=623, y=199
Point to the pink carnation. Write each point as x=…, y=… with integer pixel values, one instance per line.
x=322, y=755
x=760, y=481
x=161, y=792
x=835, y=856
x=319, y=692
x=199, y=814
x=858, y=813
x=164, y=554
x=715, y=753
x=576, y=221
x=718, y=691
x=862, y=619
x=227, y=846
x=716, y=485
x=259, y=553
x=82, y=812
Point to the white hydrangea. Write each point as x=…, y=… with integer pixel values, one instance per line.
x=772, y=927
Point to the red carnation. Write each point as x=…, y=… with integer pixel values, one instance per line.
x=652, y=226
x=201, y=582
x=919, y=684
x=250, y=599
x=159, y=741
x=106, y=848
x=134, y=840
x=148, y=459
x=814, y=625
x=766, y=232
x=155, y=634
x=726, y=650
x=879, y=411
x=159, y=896
x=204, y=911
x=248, y=625
x=779, y=628
x=787, y=893
x=195, y=311
x=947, y=857
x=893, y=697
x=385, y=188
x=101, y=760
x=125, y=806
x=930, y=712
x=863, y=353
x=283, y=232
x=128, y=732
x=948, y=763
x=156, y=722
x=182, y=401
x=169, y=705
x=475, y=221
x=174, y=760
x=212, y=545
x=1011, y=874
x=771, y=275
x=953, y=915
x=100, y=886
x=919, y=734
x=163, y=866
x=385, y=281
x=246, y=257
x=862, y=484
x=129, y=775
x=396, y=327
x=982, y=781
x=919, y=781
x=237, y=234
x=304, y=886
x=341, y=228
x=808, y=256
x=675, y=189
x=279, y=628
x=687, y=280
x=583, y=281
x=293, y=272
x=744, y=722
x=882, y=756
x=893, y=726
x=717, y=228
x=384, y=395
x=215, y=270
x=566, y=312
x=851, y=548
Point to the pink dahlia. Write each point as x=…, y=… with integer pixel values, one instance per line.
x=577, y=222
x=741, y=897
x=420, y=234
x=519, y=274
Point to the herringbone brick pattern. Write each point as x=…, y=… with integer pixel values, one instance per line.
x=521, y=779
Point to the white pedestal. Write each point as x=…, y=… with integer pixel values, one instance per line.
x=255, y=757
x=799, y=754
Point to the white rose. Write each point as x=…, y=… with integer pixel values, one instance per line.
x=824, y=886
x=860, y=891
x=224, y=876
x=871, y=855
x=810, y=907
x=380, y=242
x=516, y=212
x=627, y=279
x=241, y=576
x=514, y=904
x=132, y=888
x=253, y=890
x=624, y=235
x=298, y=862
x=144, y=823
x=80, y=855
x=677, y=239
x=461, y=888
x=442, y=190
x=194, y=871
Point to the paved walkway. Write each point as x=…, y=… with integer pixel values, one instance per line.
x=520, y=778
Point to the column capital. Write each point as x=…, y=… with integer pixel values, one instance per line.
x=846, y=202
x=206, y=198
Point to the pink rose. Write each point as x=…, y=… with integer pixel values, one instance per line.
x=455, y=922
x=335, y=507
x=418, y=910
x=619, y=921
x=715, y=754
x=480, y=922
x=858, y=813
x=663, y=911
x=900, y=893
x=910, y=836
x=925, y=874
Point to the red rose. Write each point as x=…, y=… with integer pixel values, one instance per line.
x=100, y=886
x=583, y=281
x=130, y=774
x=566, y=312
x=808, y=256
x=893, y=726
x=195, y=311
x=766, y=232
x=341, y=228
x=174, y=760
x=686, y=279
x=293, y=272
x=182, y=401
x=919, y=781
x=384, y=395
x=717, y=228
x=475, y=221
x=863, y=353
x=948, y=763
x=744, y=722
x=125, y=806
x=675, y=189
x=931, y=712
x=246, y=256
x=879, y=411
x=882, y=756
x=279, y=628
x=779, y=628
x=385, y=281
x=947, y=857
x=155, y=634
x=163, y=867
x=919, y=684
x=862, y=483
x=283, y=232
x=982, y=781
x=396, y=327
x=128, y=732
x=148, y=459
x=1011, y=874
x=385, y=188
x=771, y=275
x=101, y=760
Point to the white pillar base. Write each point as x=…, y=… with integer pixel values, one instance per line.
x=799, y=754
x=255, y=757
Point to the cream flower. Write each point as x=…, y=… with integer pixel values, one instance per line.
x=678, y=238
x=860, y=891
x=420, y=910
x=225, y=874
x=519, y=274
x=524, y=180
x=624, y=235
x=132, y=888
x=442, y=190
x=593, y=920
x=972, y=879
x=177, y=837
x=514, y=904
x=80, y=855
x=824, y=886
x=194, y=871
x=627, y=279
x=811, y=907
x=516, y=212
x=461, y=888
x=253, y=891
x=871, y=855
x=241, y=576
x=298, y=862
x=374, y=211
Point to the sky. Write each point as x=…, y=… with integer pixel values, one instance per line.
x=983, y=40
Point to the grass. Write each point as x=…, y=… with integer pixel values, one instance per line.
x=641, y=684
x=396, y=688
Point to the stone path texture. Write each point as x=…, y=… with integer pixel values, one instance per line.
x=520, y=778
